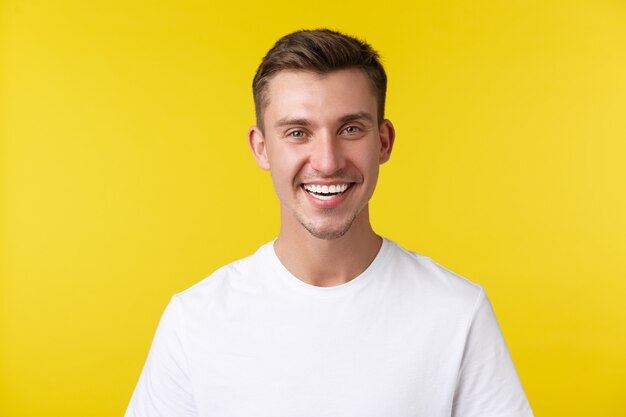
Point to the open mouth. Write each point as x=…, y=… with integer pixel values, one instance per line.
x=325, y=192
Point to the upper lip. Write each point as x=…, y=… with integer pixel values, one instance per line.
x=321, y=182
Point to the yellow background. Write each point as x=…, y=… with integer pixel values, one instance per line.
x=126, y=177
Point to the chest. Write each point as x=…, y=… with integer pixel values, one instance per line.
x=317, y=359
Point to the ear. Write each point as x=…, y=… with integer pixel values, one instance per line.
x=256, y=140
x=387, y=137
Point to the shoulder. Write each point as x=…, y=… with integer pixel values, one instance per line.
x=241, y=275
x=429, y=278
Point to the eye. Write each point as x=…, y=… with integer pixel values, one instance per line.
x=352, y=129
x=296, y=134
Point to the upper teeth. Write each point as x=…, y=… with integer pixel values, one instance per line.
x=326, y=189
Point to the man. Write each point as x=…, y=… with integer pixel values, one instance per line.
x=330, y=319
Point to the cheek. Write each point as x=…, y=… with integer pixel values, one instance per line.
x=367, y=158
x=285, y=164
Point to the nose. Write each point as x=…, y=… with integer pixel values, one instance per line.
x=326, y=154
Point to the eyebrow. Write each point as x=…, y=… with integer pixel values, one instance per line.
x=356, y=116
x=286, y=121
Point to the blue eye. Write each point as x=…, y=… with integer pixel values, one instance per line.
x=296, y=134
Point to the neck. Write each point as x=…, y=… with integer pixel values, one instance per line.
x=327, y=263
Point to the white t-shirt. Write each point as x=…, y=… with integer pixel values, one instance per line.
x=406, y=338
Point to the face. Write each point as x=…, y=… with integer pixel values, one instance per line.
x=323, y=146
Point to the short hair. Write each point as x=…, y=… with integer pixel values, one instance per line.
x=320, y=51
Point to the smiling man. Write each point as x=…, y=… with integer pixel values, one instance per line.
x=323, y=139
x=329, y=319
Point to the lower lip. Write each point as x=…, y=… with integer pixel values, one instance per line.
x=331, y=202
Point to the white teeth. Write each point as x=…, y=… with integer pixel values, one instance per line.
x=322, y=190
x=323, y=197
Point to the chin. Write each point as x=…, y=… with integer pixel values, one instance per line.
x=326, y=232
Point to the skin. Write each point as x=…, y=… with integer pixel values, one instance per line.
x=322, y=130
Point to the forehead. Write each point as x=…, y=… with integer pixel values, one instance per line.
x=319, y=96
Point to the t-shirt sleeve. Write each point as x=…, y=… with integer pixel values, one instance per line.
x=488, y=385
x=164, y=389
